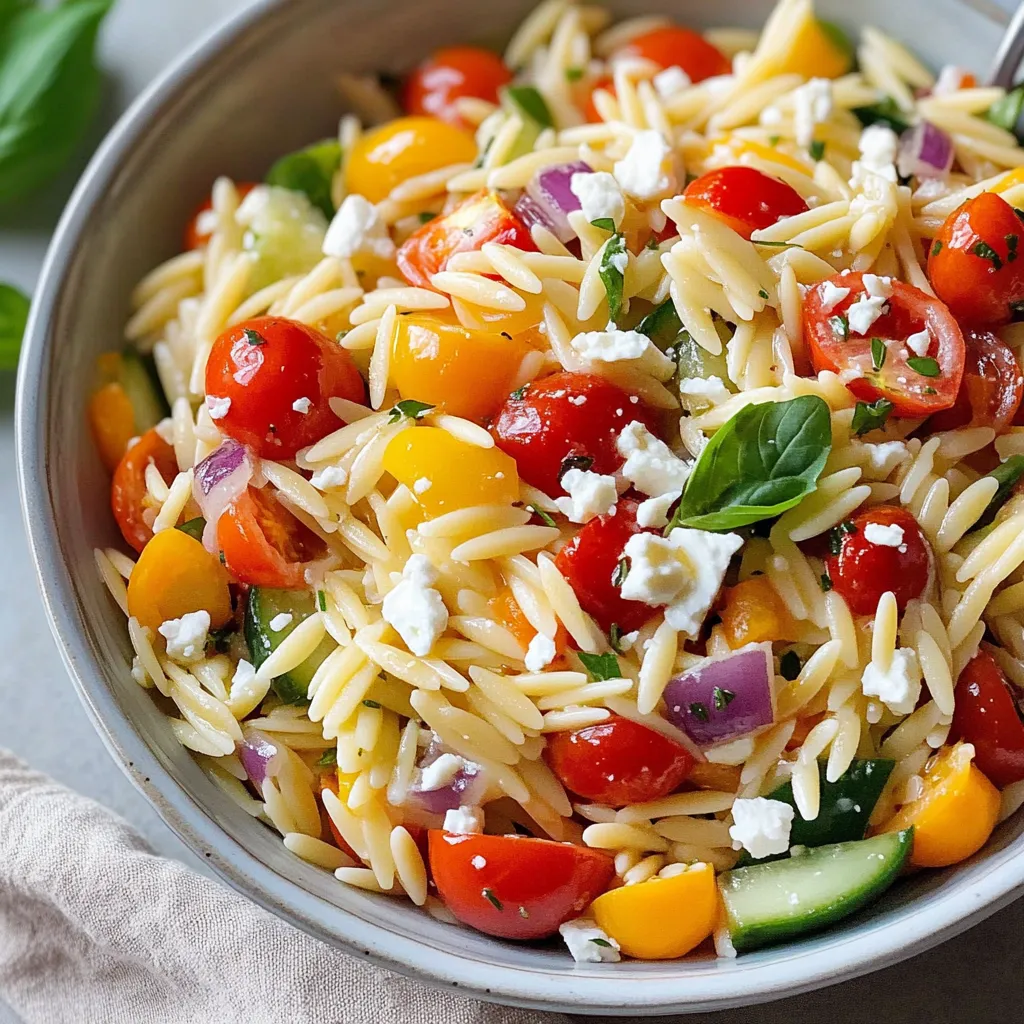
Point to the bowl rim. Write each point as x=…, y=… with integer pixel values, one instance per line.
x=909, y=932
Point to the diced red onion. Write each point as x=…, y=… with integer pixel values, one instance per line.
x=925, y=152
x=466, y=787
x=260, y=756
x=723, y=698
x=549, y=199
x=219, y=479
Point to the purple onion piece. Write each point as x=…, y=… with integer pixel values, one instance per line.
x=925, y=152
x=260, y=756
x=466, y=786
x=219, y=479
x=551, y=191
x=530, y=212
x=218, y=465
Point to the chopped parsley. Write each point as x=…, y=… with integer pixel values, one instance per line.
x=699, y=710
x=254, y=337
x=877, y=353
x=604, y=223
x=519, y=393
x=936, y=247
x=652, y=243
x=722, y=698
x=409, y=409
x=826, y=582
x=600, y=666
x=425, y=216
x=816, y=150
x=840, y=325
x=573, y=74
x=924, y=365
x=488, y=894
x=541, y=515
x=835, y=535
x=869, y=416
x=763, y=294
x=621, y=572
x=328, y=758
x=985, y=251
x=789, y=665
x=321, y=600
x=371, y=703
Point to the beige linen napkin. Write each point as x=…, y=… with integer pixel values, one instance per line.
x=97, y=929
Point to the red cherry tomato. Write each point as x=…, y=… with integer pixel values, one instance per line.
x=451, y=73
x=198, y=232
x=988, y=715
x=591, y=559
x=974, y=264
x=566, y=414
x=744, y=198
x=128, y=487
x=991, y=389
x=618, y=762
x=263, y=544
x=479, y=219
x=863, y=571
x=514, y=886
x=268, y=366
x=921, y=391
x=673, y=46
x=589, y=109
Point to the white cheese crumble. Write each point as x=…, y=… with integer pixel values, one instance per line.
x=884, y=535
x=864, y=312
x=654, y=511
x=245, y=673
x=422, y=485
x=599, y=195
x=950, y=80
x=414, y=608
x=878, y=147
x=651, y=466
x=709, y=390
x=831, y=296
x=884, y=457
x=671, y=82
x=358, y=227
x=812, y=104
x=464, y=820
x=186, y=637
x=302, y=405
x=280, y=621
x=644, y=171
x=218, y=407
x=580, y=936
x=615, y=346
x=878, y=287
x=590, y=495
x=899, y=687
x=479, y=862
x=329, y=477
x=442, y=772
x=920, y=342
x=761, y=826
x=540, y=653
x=620, y=261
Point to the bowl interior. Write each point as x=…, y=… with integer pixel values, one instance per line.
x=259, y=89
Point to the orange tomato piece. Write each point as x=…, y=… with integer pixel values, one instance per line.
x=112, y=420
x=754, y=612
x=521, y=325
x=507, y=611
x=723, y=777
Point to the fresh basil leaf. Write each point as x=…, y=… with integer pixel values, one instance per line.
x=1007, y=475
x=1007, y=112
x=328, y=758
x=621, y=572
x=924, y=365
x=888, y=112
x=194, y=527
x=662, y=325
x=375, y=704
x=826, y=582
x=765, y=460
x=600, y=666
x=612, y=273
x=871, y=415
x=722, y=698
x=488, y=894
x=14, y=306
x=310, y=171
x=321, y=600
x=878, y=351
x=777, y=245
x=253, y=337
x=49, y=89
x=985, y=251
x=531, y=103
x=816, y=150
x=604, y=223
x=699, y=710
x=410, y=409
x=602, y=942
x=936, y=247
x=840, y=325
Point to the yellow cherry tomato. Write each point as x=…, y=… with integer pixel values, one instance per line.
x=955, y=814
x=662, y=918
x=816, y=50
x=402, y=149
x=522, y=323
x=445, y=474
x=740, y=147
x=753, y=613
x=463, y=372
x=112, y=419
x=175, y=575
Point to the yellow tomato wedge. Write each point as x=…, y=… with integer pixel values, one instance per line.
x=753, y=613
x=816, y=49
x=445, y=474
x=112, y=419
x=955, y=814
x=662, y=918
x=524, y=321
x=741, y=147
x=175, y=575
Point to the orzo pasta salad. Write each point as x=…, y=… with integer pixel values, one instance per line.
x=583, y=496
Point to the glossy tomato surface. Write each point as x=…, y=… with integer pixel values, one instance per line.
x=514, y=886
x=450, y=74
x=674, y=46
x=886, y=367
x=128, y=487
x=744, y=198
x=566, y=415
x=864, y=570
x=618, y=762
x=278, y=375
x=974, y=263
x=988, y=715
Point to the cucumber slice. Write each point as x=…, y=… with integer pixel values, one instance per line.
x=263, y=606
x=137, y=375
x=531, y=108
x=767, y=903
x=284, y=232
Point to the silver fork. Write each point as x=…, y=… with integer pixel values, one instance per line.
x=1010, y=53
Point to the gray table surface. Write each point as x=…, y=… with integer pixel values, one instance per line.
x=975, y=979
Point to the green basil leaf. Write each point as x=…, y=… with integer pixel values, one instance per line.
x=604, y=223
x=816, y=150
x=878, y=351
x=600, y=666
x=888, y=112
x=14, y=307
x=924, y=365
x=310, y=171
x=871, y=415
x=49, y=89
x=612, y=274
x=194, y=527
x=765, y=460
x=328, y=758
x=662, y=325
x=410, y=409
x=1006, y=112
x=531, y=103
x=1007, y=475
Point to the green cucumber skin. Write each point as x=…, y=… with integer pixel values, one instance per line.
x=140, y=382
x=736, y=886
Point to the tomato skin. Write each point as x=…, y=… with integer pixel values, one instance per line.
x=128, y=487
x=674, y=46
x=579, y=414
x=265, y=379
x=979, y=291
x=909, y=311
x=449, y=74
x=991, y=389
x=590, y=560
x=196, y=234
x=539, y=883
x=744, y=198
x=863, y=571
x=987, y=716
x=618, y=762
x=481, y=218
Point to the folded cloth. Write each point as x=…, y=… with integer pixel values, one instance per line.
x=97, y=929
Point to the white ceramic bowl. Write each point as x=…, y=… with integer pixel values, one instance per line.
x=260, y=86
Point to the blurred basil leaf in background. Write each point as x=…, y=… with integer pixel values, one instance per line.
x=13, y=315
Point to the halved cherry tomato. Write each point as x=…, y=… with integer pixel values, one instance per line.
x=506, y=611
x=198, y=231
x=674, y=46
x=618, y=762
x=589, y=562
x=451, y=73
x=887, y=368
x=753, y=612
x=988, y=715
x=991, y=389
x=263, y=544
x=567, y=414
x=481, y=218
x=589, y=108
x=112, y=418
x=128, y=487
x=744, y=198
x=270, y=369
x=974, y=263
x=863, y=570
x=514, y=886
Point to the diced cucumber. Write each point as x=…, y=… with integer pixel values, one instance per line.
x=137, y=375
x=695, y=361
x=529, y=105
x=767, y=903
x=662, y=325
x=263, y=607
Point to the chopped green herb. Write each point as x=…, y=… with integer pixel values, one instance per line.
x=410, y=409
x=621, y=572
x=699, y=710
x=826, y=582
x=328, y=758
x=14, y=306
x=1011, y=247
x=612, y=273
x=789, y=665
x=985, y=251
x=321, y=600
x=869, y=416
x=519, y=393
x=541, y=515
x=722, y=698
x=878, y=351
x=652, y=243
x=604, y=223
x=1007, y=110
x=531, y=103
x=602, y=942
x=774, y=140
x=581, y=462
x=816, y=150
x=340, y=336
x=573, y=74
x=615, y=638
x=777, y=245
x=223, y=560
x=600, y=666
x=194, y=527
x=310, y=171
x=254, y=337
x=929, y=391
x=888, y=112
x=924, y=365
x=371, y=703
x=936, y=247
x=840, y=325
x=218, y=638
x=1007, y=476
x=763, y=294
x=425, y=216
x=488, y=894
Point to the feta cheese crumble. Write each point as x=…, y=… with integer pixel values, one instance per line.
x=540, y=653
x=884, y=457
x=651, y=466
x=358, y=227
x=864, y=312
x=761, y=826
x=878, y=287
x=329, y=477
x=186, y=637
x=615, y=346
x=422, y=485
x=588, y=943
x=281, y=621
x=920, y=342
x=899, y=687
x=831, y=296
x=878, y=147
x=414, y=608
x=599, y=195
x=590, y=495
x=464, y=820
x=884, y=535
x=645, y=172
x=441, y=773
x=812, y=104
x=654, y=511
x=707, y=390
x=245, y=673
x=218, y=407
x=671, y=82
x=302, y=405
